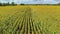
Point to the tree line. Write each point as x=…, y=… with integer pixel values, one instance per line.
x=14, y=4
x=8, y=4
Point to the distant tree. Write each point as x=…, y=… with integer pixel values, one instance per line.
x=8, y=3
x=12, y=3
x=22, y=4
x=58, y=3
x=0, y=4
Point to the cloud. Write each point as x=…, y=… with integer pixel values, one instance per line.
x=56, y=0
x=50, y=2
x=42, y=2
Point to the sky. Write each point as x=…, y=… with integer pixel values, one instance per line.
x=32, y=1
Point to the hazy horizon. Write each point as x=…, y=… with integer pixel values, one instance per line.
x=32, y=1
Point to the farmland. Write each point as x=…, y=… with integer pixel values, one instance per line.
x=29, y=19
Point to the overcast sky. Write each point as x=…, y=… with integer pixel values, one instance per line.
x=33, y=1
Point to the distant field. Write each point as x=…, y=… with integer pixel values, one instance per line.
x=29, y=19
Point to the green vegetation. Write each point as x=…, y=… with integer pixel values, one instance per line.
x=30, y=20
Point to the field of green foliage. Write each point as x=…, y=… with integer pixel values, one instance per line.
x=29, y=19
